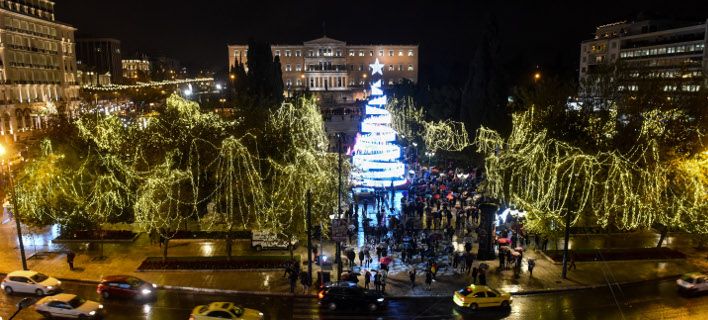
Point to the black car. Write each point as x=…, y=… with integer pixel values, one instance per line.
x=349, y=295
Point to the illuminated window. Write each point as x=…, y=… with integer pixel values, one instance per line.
x=390, y=53
x=309, y=53
x=361, y=53
x=288, y=68
x=298, y=53
x=351, y=53
x=298, y=67
x=380, y=53
x=410, y=67
x=288, y=53
x=298, y=82
x=371, y=53
x=390, y=67
x=235, y=53
x=390, y=82
x=277, y=53
x=339, y=53
x=400, y=67
x=410, y=53
x=400, y=53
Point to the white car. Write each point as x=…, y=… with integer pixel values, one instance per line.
x=224, y=310
x=66, y=305
x=693, y=282
x=30, y=282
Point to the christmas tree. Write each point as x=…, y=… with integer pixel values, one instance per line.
x=376, y=157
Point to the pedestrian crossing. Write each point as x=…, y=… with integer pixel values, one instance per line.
x=308, y=308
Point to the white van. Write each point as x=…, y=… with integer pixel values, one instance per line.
x=261, y=240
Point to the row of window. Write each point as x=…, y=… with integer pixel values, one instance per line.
x=666, y=88
x=23, y=25
x=41, y=9
x=327, y=52
x=662, y=51
x=316, y=82
x=298, y=67
x=668, y=74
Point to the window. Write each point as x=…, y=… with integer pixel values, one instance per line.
x=400, y=53
x=298, y=53
x=410, y=67
x=277, y=53
x=390, y=82
x=220, y=314
x=351, y=53
x=298, y=67
x=410, y=53
x=390, y=67
x=479, y=295
x=298, y=82
x=361, y=53
x=288, y=68
x=339, y=53
x=380, y=53
x=491, y=294
x=400, y=67
x=599, y=59
x=289, y=82
x=288, y=53
x=390, y=53
x=371, y=53
x=361, y=67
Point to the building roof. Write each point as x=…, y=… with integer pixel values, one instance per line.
x=325, y=40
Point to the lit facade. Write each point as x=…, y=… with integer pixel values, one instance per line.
x=136, y=69
x=336, y=67
x=664, y=50
x=37, y=67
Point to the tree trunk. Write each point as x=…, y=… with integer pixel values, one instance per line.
x=664, y=231
x=229, y=244
x=164, y=249
x=290, y=247
x=565, y=245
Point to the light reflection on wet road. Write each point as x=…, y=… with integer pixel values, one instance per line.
x=653, y=300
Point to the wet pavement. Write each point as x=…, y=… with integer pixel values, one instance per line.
x=652, y=300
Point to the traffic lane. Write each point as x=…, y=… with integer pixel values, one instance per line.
x=169, y=305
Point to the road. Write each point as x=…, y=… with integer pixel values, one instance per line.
x=653, y=300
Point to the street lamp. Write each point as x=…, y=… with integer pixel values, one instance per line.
x=15, y=208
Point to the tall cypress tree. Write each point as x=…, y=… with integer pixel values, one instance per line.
x=484, y=94
x=259, y=84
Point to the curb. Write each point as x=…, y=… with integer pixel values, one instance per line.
x=285, y=294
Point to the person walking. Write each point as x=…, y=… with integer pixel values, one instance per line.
x=361, y=257
x=475, y=271
x=428, y=279
x=306, y=281
x=293, y=280
x=572, y=261
x=531, y=265
x=411, y=276
x=377, y=281
x=367, y=279
x=384, y=278
x=70, y=259
x=482, y=277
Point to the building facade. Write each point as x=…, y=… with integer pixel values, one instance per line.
x=99, y=60
x=669, y=51
x=336, y=68
x=136, y=69
x=37, y=67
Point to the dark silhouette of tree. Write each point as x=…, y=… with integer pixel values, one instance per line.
x=259, y=83
x=484, y=94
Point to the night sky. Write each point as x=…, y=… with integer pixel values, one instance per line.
x=545, y=33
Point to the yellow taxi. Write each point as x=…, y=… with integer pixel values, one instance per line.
x=479, y=296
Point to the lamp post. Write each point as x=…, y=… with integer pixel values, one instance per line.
x=15, y=208
x=338, y=259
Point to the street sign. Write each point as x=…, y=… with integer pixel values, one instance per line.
x=339, y=230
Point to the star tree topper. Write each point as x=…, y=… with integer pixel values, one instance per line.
x=376, y=67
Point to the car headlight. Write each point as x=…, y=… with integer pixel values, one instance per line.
x=92, y=313
x=154, y=285
x=380, y=299
x=100, y=306
x=146, y=291
x=50, y=287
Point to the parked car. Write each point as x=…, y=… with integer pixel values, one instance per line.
x=693, y=282
x=66, y=305
x=126, y=287
x=224, y=310
x=30, y=282
x=479, y=296
x=261, y=240
x=347, y=294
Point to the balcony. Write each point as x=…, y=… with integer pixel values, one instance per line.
x=326, y=68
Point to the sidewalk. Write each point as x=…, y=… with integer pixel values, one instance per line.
x=125, y=258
